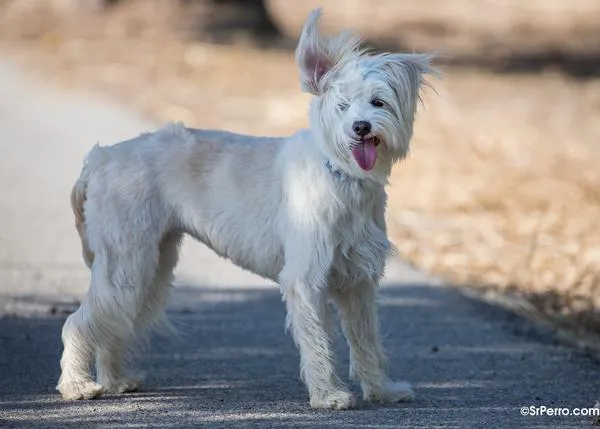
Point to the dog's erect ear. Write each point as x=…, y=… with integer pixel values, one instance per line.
x=317, y=55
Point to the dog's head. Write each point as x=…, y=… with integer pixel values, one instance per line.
x=364, y=105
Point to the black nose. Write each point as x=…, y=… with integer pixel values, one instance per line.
x=361, y=128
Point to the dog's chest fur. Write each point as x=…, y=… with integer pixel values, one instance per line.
x=362, y=244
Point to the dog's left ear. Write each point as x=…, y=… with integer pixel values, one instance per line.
x=317, y=55
x=406, y=76
x=408, y=71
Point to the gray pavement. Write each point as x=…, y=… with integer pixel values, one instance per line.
x=472, y=365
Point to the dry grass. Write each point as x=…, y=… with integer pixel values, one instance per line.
x=502, y=189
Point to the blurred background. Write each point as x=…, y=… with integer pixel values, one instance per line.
x=501, y=192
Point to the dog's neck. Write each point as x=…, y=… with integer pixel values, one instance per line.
x=343, y=174
x=314, y=143
x=340, y=174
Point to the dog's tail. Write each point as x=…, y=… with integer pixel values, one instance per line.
x=78, y=197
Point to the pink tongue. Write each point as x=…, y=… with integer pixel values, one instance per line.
x=365, y=154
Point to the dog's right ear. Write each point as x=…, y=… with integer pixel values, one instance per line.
x=317, y=55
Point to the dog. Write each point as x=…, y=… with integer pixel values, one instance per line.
x=306, y=211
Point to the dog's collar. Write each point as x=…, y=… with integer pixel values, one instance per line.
x=339, y=174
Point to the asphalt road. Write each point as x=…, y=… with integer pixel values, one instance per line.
x=472, y=365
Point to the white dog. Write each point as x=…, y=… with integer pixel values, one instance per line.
x=306, y=211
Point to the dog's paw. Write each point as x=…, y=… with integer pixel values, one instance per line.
x=74, y=390
x=333, y=400
x=390, y=392
x=123, y=385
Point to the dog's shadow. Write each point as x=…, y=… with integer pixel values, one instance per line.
x=233, y=364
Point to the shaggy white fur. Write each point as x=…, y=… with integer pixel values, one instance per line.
x=306, y=211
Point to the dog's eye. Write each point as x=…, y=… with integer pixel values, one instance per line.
x=377, y=102
x=342, y=106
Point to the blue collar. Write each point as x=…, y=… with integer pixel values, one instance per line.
x=338, y=174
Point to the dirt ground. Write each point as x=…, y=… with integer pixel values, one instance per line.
x=501, y=192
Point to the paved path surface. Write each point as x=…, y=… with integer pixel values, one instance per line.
x=233, y=366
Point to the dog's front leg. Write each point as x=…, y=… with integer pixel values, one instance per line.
x=307, y=319
x=357, y=306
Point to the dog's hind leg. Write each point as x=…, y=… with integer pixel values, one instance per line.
x=76, y=380
x=105, y=325
x=357, y=308
x=132, y=273
x=100, y=328
x=155, y=297
x=151, y=300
